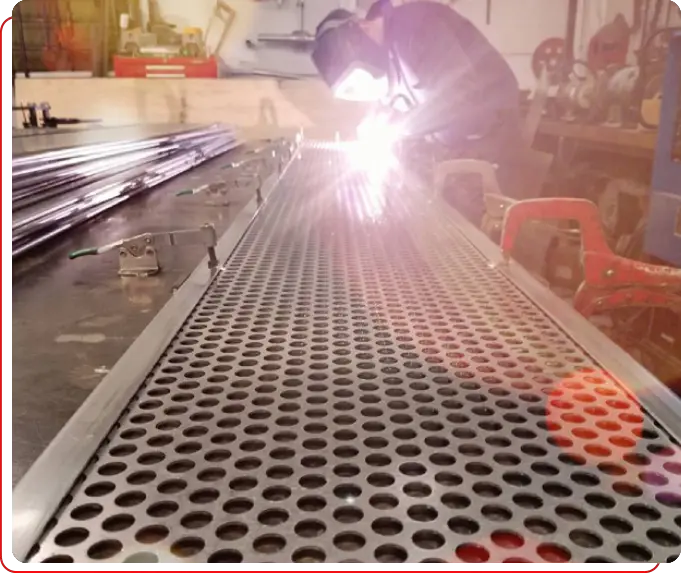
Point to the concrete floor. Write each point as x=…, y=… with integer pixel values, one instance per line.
x=72, y=320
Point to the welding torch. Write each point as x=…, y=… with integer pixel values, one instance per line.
x=384, y=127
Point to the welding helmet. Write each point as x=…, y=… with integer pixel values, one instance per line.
x=350, y=62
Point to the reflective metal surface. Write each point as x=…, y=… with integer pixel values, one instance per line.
x=359, y=384
x=56, y=190
x=26, y=142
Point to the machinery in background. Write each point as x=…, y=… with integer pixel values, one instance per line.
x=159, y=50
x=653, y=62
x=610, y=45
x=622, y=229
x=549, y=56
x=188, y=43
x=603, y=89
x=160, y=38
x=605, y=96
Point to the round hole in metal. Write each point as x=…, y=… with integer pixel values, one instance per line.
x=231, y=531
x=152, y=534
x=309, y=528
x=390, y=554
x=463, y=525
x=71, y=537
x=308, y=555
x=349, y=541
x=269, y=543
x=348, y=514
x=226, y=556
x=119, y=522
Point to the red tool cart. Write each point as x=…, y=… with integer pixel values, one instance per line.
x=159, y=67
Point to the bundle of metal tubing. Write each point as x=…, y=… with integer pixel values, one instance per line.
x=57, y=190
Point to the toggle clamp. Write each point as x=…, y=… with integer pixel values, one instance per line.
x=138, y=255
x=611, y=282
x=255, y=167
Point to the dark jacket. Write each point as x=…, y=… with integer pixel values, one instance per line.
x=461, y=85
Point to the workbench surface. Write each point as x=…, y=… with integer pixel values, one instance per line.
x=636, y=142
x=72, y=320
x=363, y=380
x=30, y=141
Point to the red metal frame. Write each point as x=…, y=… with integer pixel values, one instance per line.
x=610, y=281
x=175, y=67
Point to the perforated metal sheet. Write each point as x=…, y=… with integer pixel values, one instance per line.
x=359, y=385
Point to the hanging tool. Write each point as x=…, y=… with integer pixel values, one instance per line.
x=488, y=13
x=550, y=56
x=138, y=255
x=610, y=45
x=300, y=4
x=297, y=40
x=223, y=14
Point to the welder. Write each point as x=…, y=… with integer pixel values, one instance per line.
x=433, y=72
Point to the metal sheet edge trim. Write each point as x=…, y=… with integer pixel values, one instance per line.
x=644, y=388
x=71, y=449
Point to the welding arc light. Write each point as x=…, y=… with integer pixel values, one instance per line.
x=359, y=84
x=374, y=150
x=377, y=129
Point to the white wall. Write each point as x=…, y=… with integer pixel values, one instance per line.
x=517, y=27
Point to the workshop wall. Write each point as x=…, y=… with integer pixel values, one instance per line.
x=239, y=102
x=306, y=102
x=253, y=18
x=515, y=27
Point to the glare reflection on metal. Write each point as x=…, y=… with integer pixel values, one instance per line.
x=53, y=192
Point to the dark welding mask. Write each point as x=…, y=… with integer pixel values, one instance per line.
x=350, y=62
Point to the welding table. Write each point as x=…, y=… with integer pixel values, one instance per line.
x=360, y=382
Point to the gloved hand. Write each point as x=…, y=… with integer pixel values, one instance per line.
x=386, y=125
x=380, y=127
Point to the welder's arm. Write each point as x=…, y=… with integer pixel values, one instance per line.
x=441, y=113
x=446, y=76
x=379, y=117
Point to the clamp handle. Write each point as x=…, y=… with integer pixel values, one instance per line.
x=83, y=253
